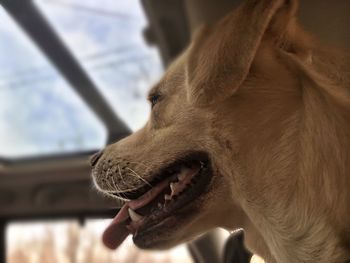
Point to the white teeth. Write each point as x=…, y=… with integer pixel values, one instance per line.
x=160, y=205
x=181, y=176
x=134, y=216
x=167, y=197
x=172, y=187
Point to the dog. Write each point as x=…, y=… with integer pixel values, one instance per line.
x=249, y=128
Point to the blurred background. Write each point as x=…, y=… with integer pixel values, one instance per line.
x=74, y=76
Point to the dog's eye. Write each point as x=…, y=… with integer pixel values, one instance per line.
x=154, y=98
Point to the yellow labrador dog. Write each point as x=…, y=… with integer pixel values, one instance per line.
x=249, y=128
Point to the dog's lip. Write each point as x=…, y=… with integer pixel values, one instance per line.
x=182, y=202
x=119, y=225
x=167, y=171
x=122, y=225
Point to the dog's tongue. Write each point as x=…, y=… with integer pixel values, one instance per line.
x=120, y=227
x=116, y=232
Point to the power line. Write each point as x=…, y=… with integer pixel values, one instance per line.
x=112, y=64
x=90, y=57
x=114, y=51
x=120, y=62
x=21, y=72
x=95, y=11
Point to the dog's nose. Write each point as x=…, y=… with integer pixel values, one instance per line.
x=94, y=158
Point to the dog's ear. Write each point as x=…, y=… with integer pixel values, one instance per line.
x=220, y=57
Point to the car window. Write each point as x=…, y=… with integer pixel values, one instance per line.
x=106, y=36
x=69, y=241
x=39, y=112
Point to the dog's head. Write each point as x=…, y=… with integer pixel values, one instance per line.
x=186, y=170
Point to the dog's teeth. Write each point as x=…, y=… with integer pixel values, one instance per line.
x=160, y=205
x=181, y=176
x=167, y=197
x=172, y=187
x=134, y=216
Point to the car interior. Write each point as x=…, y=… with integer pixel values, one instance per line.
x=46, y=178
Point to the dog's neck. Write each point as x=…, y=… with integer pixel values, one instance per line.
x=323, y=159
x=309, y=154
x=314, y=215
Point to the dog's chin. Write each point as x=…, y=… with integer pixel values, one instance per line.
x=171, y=232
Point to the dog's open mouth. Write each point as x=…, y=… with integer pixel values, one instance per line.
x=173, y=188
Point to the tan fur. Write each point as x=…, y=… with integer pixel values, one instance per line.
x=271, y=106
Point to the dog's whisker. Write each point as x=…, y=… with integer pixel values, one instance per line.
x=115, y=186
x=113, y=182
x=121, y=175
x=108, y=182
x=148, y=168
x=119, y=192
x=138, y=176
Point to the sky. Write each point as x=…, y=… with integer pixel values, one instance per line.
x=39, y=112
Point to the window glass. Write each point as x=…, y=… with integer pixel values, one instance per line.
x=39, y=112
x=67, y=241
x=106, y=36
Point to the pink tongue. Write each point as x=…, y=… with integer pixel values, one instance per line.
x=117, y=231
